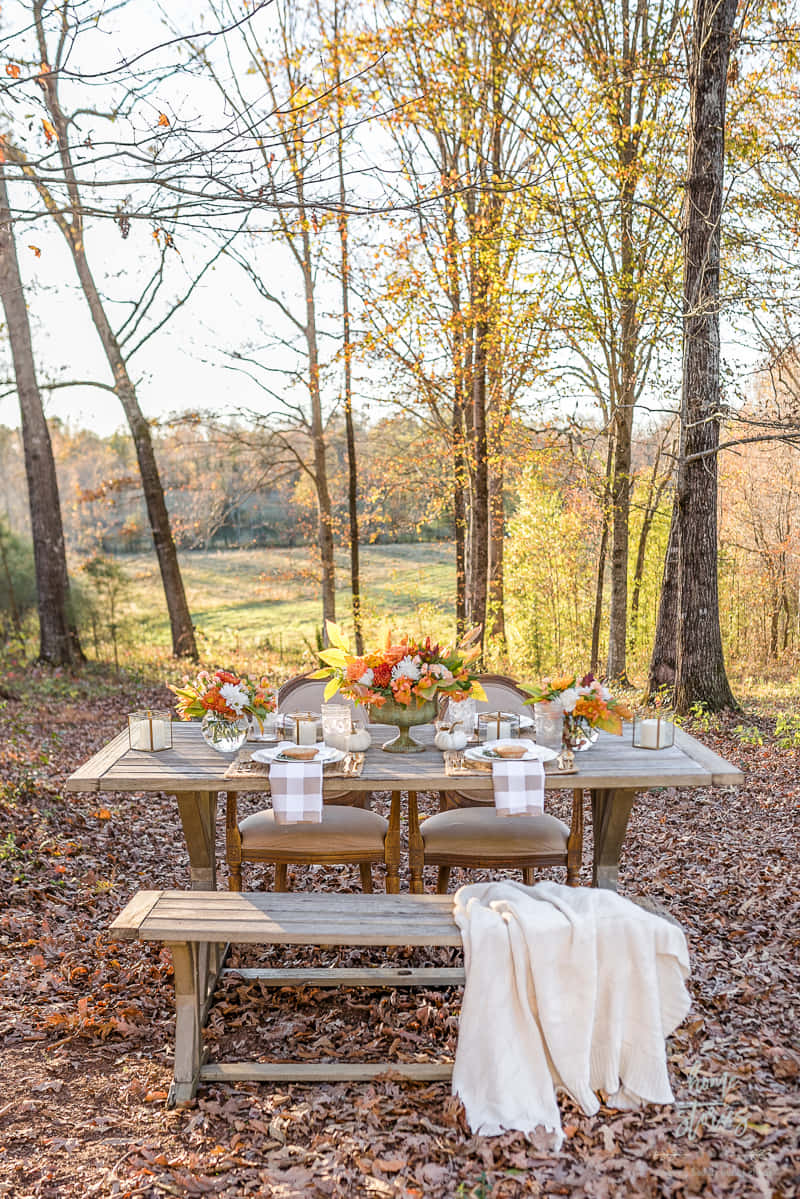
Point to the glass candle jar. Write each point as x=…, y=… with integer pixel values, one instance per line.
x=336, y=724
x=497, y=726
x=303, y=727
x=150, y=730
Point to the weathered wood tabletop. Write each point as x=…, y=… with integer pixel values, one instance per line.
x=612, y=770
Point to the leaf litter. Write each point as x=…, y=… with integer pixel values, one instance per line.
x=86, y=1025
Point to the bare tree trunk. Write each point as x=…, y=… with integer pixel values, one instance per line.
x=663, y=661
x=623, y=420
x=701, y=676
x=58, y=636
x=601, y=564
x=183, y=640
x=479, y=530
x=324, y=512
x=460, y=510
x=654, y=493
x=352, y=471
x=497, y=528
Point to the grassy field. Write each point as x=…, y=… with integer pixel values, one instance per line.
x=260, y=609
x=267, y=600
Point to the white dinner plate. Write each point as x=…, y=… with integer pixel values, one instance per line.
x=325, y=753
x=534, y=752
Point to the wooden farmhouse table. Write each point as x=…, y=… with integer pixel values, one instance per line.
x=612, y=770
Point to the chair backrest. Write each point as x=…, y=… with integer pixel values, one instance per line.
x=302, y=694
x=503, y=695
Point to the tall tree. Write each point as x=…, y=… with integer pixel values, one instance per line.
x=58, y=636
x=700, y=676
x=68, y=212
x=610, y=109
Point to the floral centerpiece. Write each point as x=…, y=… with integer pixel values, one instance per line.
x=225, y=702
x=585, y=705
x=402, y=682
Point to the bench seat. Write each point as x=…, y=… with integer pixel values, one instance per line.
x=198, y=926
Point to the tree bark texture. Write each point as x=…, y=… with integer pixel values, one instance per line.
x=601, y=564
x=701, y=677
x=497, y=530
x=663, y=660
x=625, y=400
x=58, y=636
x=479, y=525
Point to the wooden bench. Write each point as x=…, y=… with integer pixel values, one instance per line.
x=197, y=925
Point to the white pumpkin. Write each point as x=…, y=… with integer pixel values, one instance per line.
x=358, y=740
x=455, y=739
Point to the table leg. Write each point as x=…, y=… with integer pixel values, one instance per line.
x=393, y=847
x=198, y=811
x=610, y=812
x=416, y=846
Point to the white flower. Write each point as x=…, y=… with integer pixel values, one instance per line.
x=568, y=699
x=406, y=668
x=235, y=697
x=367, y=677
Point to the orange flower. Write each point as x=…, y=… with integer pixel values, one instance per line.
x=592, y=707
x=355, y=669
x=567, y=680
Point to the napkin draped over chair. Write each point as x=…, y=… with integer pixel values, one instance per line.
x=518, y=788
x=296, y=789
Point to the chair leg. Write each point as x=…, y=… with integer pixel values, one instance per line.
x=366, y=877
x=528, y=873
x=443, y=880
x=235, y=877
x=573, y=878
x=281, y=883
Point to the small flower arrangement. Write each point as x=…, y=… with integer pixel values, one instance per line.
x=226, y=695
x=586, y=703
x=408, y=672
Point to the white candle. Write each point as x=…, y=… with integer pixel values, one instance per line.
x=149, y=733
x=650, y=734
x=306, y=732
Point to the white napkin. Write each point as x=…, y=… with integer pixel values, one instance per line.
x=518, y=787
x=296, y=792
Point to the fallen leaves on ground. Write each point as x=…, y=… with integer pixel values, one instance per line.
x=86, y=1025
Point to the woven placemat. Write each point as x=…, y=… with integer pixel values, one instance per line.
x=243, y=767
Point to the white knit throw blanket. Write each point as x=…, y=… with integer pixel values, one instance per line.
x=568, y=987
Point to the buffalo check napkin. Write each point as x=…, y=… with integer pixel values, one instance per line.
x=296, y=792
x=518, y=787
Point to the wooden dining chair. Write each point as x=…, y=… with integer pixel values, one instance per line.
x=349, y=832
x=476, y=838
x=467, y=831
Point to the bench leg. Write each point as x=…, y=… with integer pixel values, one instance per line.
x=366, y=877
x=188, y=1023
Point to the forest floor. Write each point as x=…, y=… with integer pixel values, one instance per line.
x=86, y=1025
